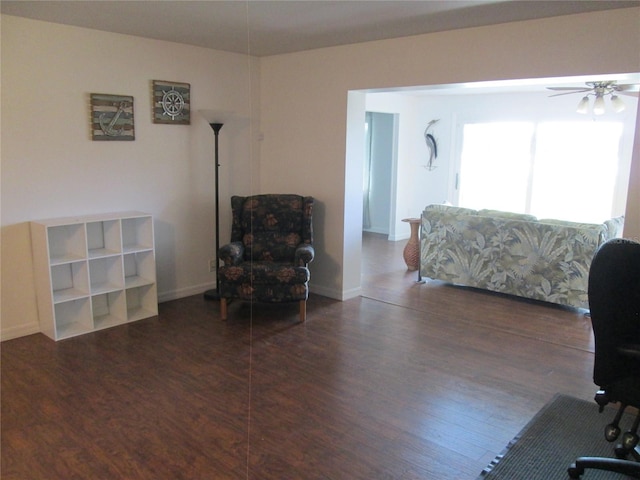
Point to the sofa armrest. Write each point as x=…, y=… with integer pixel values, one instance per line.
x=231, y=253
x=304, y=254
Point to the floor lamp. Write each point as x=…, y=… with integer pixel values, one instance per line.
x=214, y=294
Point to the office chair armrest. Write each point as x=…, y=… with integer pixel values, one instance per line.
x=304, y=254
x=630, y=350
x=231, y=253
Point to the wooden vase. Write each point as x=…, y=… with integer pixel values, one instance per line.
x=411, y=252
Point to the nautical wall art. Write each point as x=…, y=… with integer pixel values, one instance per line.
x=171, y=102
x=112, y=117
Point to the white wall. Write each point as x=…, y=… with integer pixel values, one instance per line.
x=52, y=168
x=304, y=105
x=419, y=187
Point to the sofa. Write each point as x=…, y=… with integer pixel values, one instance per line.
x=512, y=253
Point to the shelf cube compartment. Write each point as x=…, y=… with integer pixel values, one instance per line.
x=108, y=309
x=139, y=269
x=69, y=281
x=106, y=274
x=142, y=302
x=73, y=318
x=66, y=243
x=103, y=238
x=137, y=234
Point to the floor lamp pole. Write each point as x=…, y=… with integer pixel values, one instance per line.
x=214, y=294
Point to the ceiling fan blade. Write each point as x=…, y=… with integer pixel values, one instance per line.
x=577, y=89
x=624, y=87
x=630, y=94
x=571, y=93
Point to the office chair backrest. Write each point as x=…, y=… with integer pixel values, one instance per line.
x=614, y=302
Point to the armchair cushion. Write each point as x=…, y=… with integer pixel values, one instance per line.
x=272, y=227
x=264, y=282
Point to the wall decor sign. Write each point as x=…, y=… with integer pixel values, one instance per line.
x=171, y=102
x=112, y=117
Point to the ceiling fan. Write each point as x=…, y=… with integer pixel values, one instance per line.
x=599, y=90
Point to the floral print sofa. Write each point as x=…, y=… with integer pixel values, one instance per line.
x=512, y=253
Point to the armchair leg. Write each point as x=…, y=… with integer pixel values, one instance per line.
x=223, y=308
x=303, y=310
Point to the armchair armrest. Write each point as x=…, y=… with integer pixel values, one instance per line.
x=231, y=253
x=304, y=254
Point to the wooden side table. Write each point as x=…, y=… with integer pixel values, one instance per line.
x=411, y=252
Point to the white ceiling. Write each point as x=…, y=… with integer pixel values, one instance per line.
x=265, y=27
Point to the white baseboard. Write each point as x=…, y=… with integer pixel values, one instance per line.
x=34, y=327
x=198, y=289
x=19, y=331
x=397, y=238
x=335, y=293
x=391, y=238
x=185, y=292
x=381, y=231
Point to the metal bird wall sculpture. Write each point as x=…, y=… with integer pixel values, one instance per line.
x=432, y=146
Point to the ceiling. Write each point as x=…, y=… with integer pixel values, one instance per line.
x=265, y=27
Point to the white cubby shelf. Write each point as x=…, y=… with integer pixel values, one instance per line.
x=93, y=272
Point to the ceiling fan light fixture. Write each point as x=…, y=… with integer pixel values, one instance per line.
x=583, y=106
x=598, y=105
x=617, y=104
x=599, y=90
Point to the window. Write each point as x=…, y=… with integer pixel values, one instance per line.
x=495, y=166
x=563, y=170
x=575, y=170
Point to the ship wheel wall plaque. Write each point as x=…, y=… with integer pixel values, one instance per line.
x=112, y=117
x=171, y=102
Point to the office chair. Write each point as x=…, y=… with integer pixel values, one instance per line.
x=614, y=302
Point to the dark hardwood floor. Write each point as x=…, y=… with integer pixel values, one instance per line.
x=409, y=381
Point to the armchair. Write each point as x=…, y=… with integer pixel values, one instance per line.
x=270, y=249
x=614, y=301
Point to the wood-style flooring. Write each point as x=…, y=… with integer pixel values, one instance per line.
x=409, y=381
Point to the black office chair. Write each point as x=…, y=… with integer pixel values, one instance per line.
x=614, y=301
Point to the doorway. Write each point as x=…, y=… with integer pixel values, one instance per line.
x=378, y=190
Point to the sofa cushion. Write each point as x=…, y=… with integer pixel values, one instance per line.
x=450, y=210
x=507, y=215
x=615, y=227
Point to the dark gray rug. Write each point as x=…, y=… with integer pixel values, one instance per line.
x=565, y=428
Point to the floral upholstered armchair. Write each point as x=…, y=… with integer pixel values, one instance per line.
x=270, y=249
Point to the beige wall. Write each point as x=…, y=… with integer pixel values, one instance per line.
x=51, y=168
x=632, y=219
x=304, y=105
x=298, y=102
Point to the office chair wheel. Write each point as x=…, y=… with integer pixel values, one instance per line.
x=621, y=452
x=575, y=472
x=630, y=440
x=611, y=432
